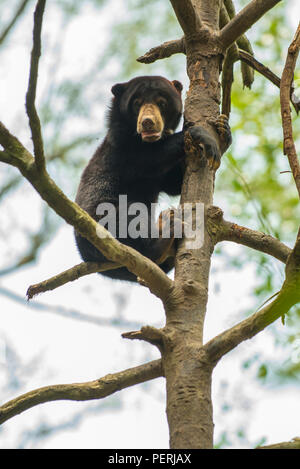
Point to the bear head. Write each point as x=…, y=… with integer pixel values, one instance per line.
x=150, y=105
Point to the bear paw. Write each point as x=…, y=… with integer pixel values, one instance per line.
x=224, y=131
x=207, y=143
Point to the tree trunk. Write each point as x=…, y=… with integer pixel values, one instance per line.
x=187, y=368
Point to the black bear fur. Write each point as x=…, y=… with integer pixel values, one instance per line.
x=126, y=164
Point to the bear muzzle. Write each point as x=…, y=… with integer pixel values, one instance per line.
x=150, y=124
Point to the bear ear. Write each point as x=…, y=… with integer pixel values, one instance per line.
x=118, y=89
x=177, y=85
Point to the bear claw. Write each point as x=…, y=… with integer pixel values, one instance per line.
x=223, y=129
x=202, y=138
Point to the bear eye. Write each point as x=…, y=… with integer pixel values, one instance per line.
x=137, y=102
x=161, y=102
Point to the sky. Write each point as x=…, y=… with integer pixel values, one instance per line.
x=49, y=347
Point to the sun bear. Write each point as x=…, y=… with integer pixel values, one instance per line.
x=140, y=157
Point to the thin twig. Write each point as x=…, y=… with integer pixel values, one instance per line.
x=34, y=121
x=13, y=21
x=287, y=78
x=267, y=73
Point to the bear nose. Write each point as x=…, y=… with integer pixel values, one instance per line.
x=147, y=124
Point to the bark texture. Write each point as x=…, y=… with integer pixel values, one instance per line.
x=187, y=369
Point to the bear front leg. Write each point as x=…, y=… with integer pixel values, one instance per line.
x=161, y=157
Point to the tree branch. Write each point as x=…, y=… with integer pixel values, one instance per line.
x=224, y=230
x=243, y=42
x=227, y=79
x=244, y=20
x=186, y=15
x=148, y=334
x=34, y=121
x=79, y=270
x=293, y=444
x=259, y=67
x=285, y=93
x=163, y=51
x=97, y=389
x=267, y=73
x=16, y=154
x=13, y=21
x=177, y=46
x=227, y=12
